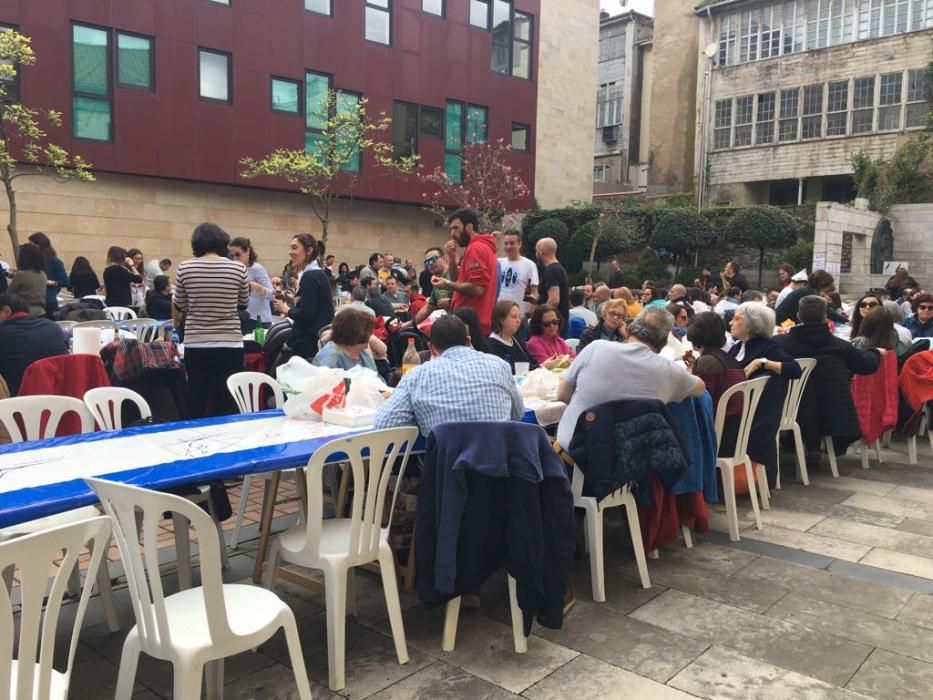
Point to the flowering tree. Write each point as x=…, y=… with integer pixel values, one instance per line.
x=489, y=184
x=24, y=149
x=329, y=165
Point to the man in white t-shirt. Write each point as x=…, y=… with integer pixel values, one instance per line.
x=518, y=276
x=638, y=372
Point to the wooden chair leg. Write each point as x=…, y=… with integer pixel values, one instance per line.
x=271, y=489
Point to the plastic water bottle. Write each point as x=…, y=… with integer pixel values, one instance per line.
x=410, y=359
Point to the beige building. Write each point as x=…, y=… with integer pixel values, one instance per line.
x=789, y=90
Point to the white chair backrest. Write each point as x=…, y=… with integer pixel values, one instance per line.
x=102, y=323
x=371, y=474
x=105, y=404
x=129, y=504
x=795, y=388
x=94, y=297
x=37, y=417
x=751, y=391
x=572, y=343
x=246, y=389
x=119, y=313
x=146, y=330
x=30, y=558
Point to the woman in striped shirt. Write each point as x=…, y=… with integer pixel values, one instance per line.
x=209, y=290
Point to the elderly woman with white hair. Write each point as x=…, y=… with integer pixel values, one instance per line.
x=752, y=327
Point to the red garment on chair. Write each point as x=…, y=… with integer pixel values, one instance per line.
x=660, y=522
x=875, y=397
x=917, y=379
x=64, y=375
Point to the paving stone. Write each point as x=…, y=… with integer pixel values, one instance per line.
x=863, y=627
x=637, y=646
x=786, y=644
x=916, y=526
x=894, y=506
x=93, y=676
x=848, y=592
x=586, y=678
x=275, y=682
x=440, y=681
x=792, y=492
x=890, y=676
x=913, y=493
x=899, y=561
x=707, y=556
x=371, y=663
x=875, y=536
x=802, y=499
x=146, y=695
x=481, y=647
x=918, y=611
x=722, y=673
x=855, y=485
x=622, y=583
x=826, y=546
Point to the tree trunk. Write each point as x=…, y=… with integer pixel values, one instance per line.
x=11, y=226
x=593, y=245
x=761, y=264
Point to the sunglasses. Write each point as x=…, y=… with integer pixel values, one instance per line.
x=430, y=261
x=925, y=307
x=868, y=304
x=548, y=324
x=615, y=315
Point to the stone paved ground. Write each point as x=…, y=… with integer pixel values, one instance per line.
x=830, y=600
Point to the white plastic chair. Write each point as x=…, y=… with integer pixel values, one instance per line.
x=593, y=522
x=572, y=343
x=751, y=392
x=106, y=403
x=119, y=313
x=198, y=626
x=246, y=389
x=795, y=389
x=30, y=410
x=337, y=545
x=29, y=673
x=146, y=330
x=95, y=297
x=103, y=323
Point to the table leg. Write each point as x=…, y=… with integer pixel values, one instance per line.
x=270, y=493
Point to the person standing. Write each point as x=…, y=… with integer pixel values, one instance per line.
x=209, y=291
x=138, y=289
x=153, y=269
x=30, y=282
x=314, y=307
x=436, y=265
x=616, y=278
x=477, y=272
x=83, y=280
x=56, y=275
x=732, y=277
x=554, y=289
x=118, y=276
x=518, y=276
x=260, y=286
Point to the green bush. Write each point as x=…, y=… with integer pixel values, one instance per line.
x=551, y=228
x=679, y=232
x=651, y=267
x=762, y=228
x=687, y=274
x=800, y=255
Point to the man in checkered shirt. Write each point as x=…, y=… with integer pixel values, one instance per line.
x=459, y=384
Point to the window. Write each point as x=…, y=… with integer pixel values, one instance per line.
x=462, y=124
x=521, y=137
x=378, y=21
x=317, y=86
x=727, y=28
x=511, y=40
x=917, y=106
x=479, y=13
x=433, y=7
x=222, y=2
x=321, y=7
x=764, y=121
x=889, y=101
x=600, y=172
x=722, y=124
x=432, y=122
x=609, y=105
x=348, y=144
x=404, y=130
x=790, y=110
x=91, y=105
x=863, y=105
x=11, y=82
x=837, y=107
x=214, y=75
x=286, y=96
x=812, y=124
x=743, y=121
x=134, y=61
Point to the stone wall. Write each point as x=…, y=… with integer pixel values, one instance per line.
x=834, y=224
x=913, y=239
x=157, y=216
x=567, y=58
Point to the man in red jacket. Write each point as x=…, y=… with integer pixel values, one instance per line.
x=478, y=270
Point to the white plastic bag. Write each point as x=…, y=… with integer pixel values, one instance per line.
x=367, y=390
x=309, y=389
x=294, y=373
x=540, y=384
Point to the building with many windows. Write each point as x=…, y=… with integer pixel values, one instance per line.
x=789, y=90
x=623, y=40
x=165, y=97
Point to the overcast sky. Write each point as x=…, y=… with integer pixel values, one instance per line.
x=615, y=6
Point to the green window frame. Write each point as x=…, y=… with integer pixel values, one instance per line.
x=463, y=123
x=317, y=86
x=91, y=83
x=347, y=101
x=135, y=61
x=404, y=129
x=285, y=96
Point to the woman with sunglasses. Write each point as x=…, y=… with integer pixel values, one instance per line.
x=260, y=286
x=545, y=346
x=920, y=324
x=612, y=325
x=862, y=308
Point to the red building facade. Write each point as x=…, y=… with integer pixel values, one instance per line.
x=184, y=89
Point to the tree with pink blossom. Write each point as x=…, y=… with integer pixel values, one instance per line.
x=489, y=184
